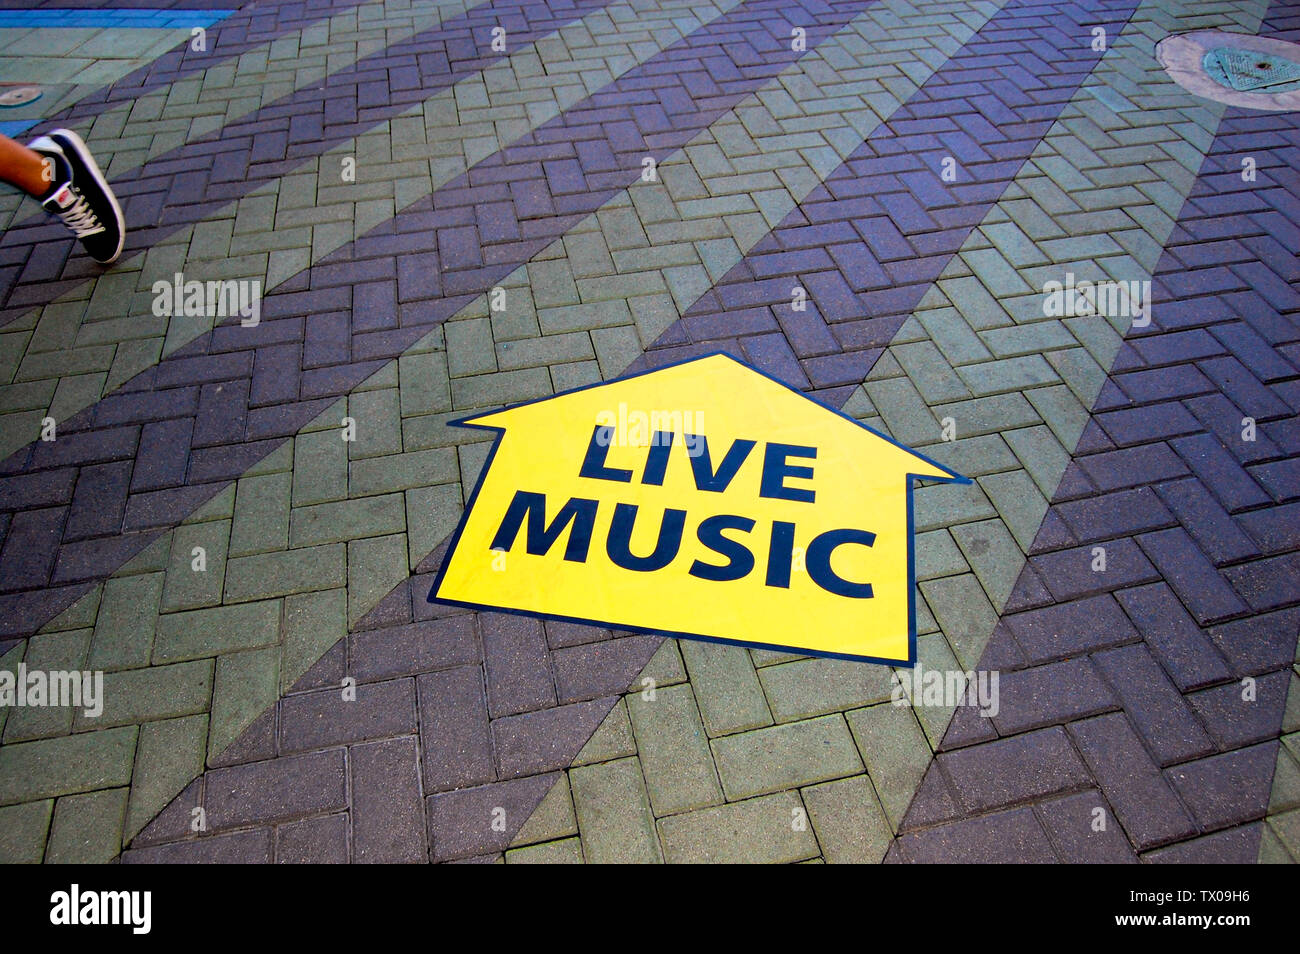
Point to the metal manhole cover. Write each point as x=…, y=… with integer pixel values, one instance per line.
x=16, y=95
x=1251, y=71
x=1239, y=69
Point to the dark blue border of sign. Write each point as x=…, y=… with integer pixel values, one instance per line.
x=500, y=432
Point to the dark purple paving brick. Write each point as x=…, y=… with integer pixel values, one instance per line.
x=1069, y=574
x=546, y=740
x=1214, y=531
x=315, y=720
x=1274, y=529
x=1182, y=648
x=1227, y=789
x=461, y=822
x=313, y=841
x=1132, y=467
x=1010, y=837
x=1015, y=769
x=1049, y=695
x=414, y=647
x=1243, y=388
x=1140, y=425
x=278, y=789
x=1161, y=384
x=1144, y=803
x=1057, y=632
x=255, y=744
x=388, y=825
x=455, y=736
x=1072, y=824
x=235, y=848
x=561, y=634
x=1236, y=846
x=1281, y=478
x=1193, y=577
x=933, y=803
x=1236, y=721
x=598, y=669
x=518, y=667
x=1111, y=515
x=1267, y=584
x=1259, y=644
x=1227, y=423
x=1156, y=708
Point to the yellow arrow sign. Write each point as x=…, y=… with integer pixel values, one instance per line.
x=704, y=500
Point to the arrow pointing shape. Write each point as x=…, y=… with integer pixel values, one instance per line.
x=703, y=500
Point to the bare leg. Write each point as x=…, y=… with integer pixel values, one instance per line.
x=21, y=167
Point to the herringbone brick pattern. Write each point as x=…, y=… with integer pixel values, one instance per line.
x=478, y=736
x=1184, y=481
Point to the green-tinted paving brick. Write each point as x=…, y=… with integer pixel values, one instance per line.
x=613, y=813
x=379, y=424
x=347, y=520
x=291, y=571
x=170, y=754
x=1009, y=374
x=261, y=521
x=320, y=467
x=664, y=669
x=850, y=826
x=66, y=765
x=963, y=612
x=124, y=629
x=567, y=851
x=612, y=739
x=987, y=415
x=221, y=629
x=1271, y=849
x=431, y=516
x=930, y=372
x=785, y=756
x=87, y=828
x=675, y=757
x=48, y=652
x=934, y=654
x=155, y=692
x=22, y=832
x=993, y=555
x=313, y=622
x=905, y=412
x=895, y=752
x=1042, y=456
x=942, y=505
x=771, y=829
x=811, y=687
x=1286, y=782
x=1287, y=828
x=197, y=569
x=553, y=818
x=377, y=475
x=937, y=555
x=246, y=684
x=375, y=566
x=973, y=456
x=726, y=687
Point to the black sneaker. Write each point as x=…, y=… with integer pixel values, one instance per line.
x=80, y=196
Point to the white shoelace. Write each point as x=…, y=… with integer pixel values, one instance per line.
x=81, y=218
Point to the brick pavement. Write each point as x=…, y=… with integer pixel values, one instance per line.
x=818, y=169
